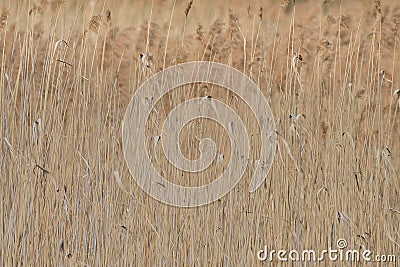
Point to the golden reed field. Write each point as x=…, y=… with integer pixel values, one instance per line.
x=69, y=69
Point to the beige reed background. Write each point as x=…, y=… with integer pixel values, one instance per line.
x=69, y=68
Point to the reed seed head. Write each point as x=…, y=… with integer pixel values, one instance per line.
x=3, y=18
x=94, y=24
x=188, y=7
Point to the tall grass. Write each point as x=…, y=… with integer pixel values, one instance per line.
x=69, y=68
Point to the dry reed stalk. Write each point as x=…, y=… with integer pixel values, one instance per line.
x=186, y=12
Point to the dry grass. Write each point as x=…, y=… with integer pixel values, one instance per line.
x=69, y=69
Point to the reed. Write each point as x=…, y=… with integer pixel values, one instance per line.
x=69, y=68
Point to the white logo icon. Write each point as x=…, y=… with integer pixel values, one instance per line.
x=138, y=111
